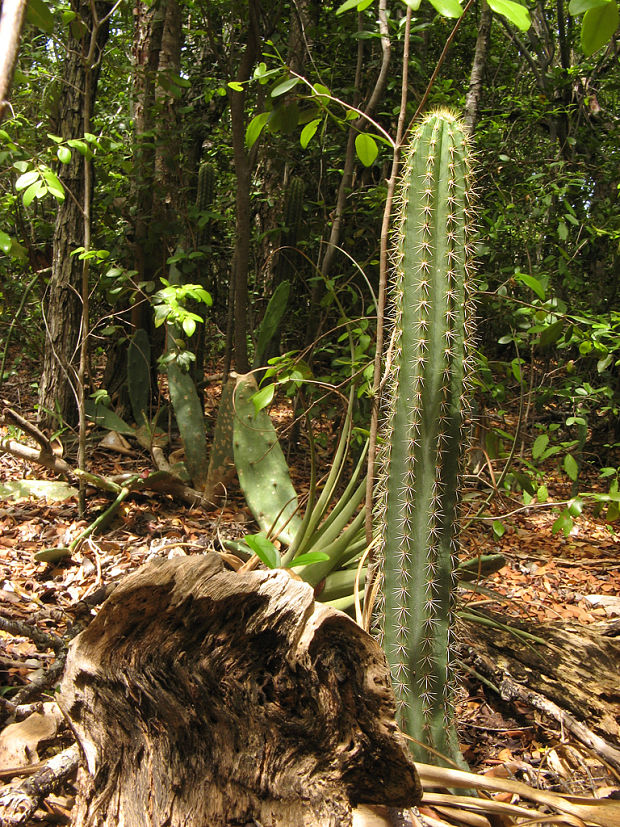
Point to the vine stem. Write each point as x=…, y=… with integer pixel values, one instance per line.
x=442, y=57
x=383, y=274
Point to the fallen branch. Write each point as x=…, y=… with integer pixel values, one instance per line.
x=43, y=640
x=47, y=679
x=44, y=456
x=511, y=690
x=571, y=678
x=18, y=804
x=37, y=455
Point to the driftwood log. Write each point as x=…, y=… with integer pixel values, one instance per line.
x=200, y=696
x=573, y=679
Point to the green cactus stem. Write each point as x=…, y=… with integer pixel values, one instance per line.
x=430, y=358
x=139, y=375
x=205, y=193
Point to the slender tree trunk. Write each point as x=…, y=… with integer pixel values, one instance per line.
x=58, y=390
x=11, y=22
x=346, y=181
x=149, y=27
x=241, y=258
x=474, y=93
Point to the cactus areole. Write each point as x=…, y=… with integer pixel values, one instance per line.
x=429, y=356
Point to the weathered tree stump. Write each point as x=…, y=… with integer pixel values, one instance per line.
x=204, y=697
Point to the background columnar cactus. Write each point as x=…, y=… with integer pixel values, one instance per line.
x=423, y=438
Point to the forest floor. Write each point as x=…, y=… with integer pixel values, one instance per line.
x=548, y=577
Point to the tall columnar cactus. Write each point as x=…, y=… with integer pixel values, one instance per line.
x=205, y=193
x=423, y=439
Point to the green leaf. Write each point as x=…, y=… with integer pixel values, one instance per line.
x=64, y=154
x=514, y=12
x=571, y=467
x=551, y=334
x=35, y=190
x=562, y=231
x=189, y=326
x=366, y=148
x=499, y=529
x=307, y=559
x=542, y=495
x=262, y=398
x=26, y=180
x=532, y=283
x=264, y=549
x=575, y=507
x=255, y=127
x=42, y=489
x=604, y=363
x=81, y=146
x=598, y=26
x=563, y=523
x=540, y=443
x=235, y=86
x=5, y=242
x=53, y=183
x=348, y=5
x=284, y=118
x=447, y=8
x=320, y=91
x=284, y=87
x=40, y=16
x=579, y=6
x=307, y=133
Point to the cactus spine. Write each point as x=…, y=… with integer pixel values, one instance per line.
x=423, y=439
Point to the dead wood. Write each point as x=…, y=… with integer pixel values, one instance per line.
x=202, y=696
x=18, y=803
x=44, y=455
x=573, y=679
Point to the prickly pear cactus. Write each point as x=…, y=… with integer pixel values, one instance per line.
x=423, y=438
x=261, y=467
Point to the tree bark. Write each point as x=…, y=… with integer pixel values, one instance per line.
x=57, y=391
x=11, y=22
x=150, y=22
x=241, y=256
x=474, y=93
x=200, y=696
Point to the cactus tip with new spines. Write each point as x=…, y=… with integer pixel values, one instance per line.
x=417, y=501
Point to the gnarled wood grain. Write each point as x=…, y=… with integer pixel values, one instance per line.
x=205, y=697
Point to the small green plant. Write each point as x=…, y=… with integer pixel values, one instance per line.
x=170, y=305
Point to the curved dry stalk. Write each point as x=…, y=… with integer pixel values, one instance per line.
x=575, y=810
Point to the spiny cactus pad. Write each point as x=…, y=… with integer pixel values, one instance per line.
x=430, y=357
x=261, y=466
